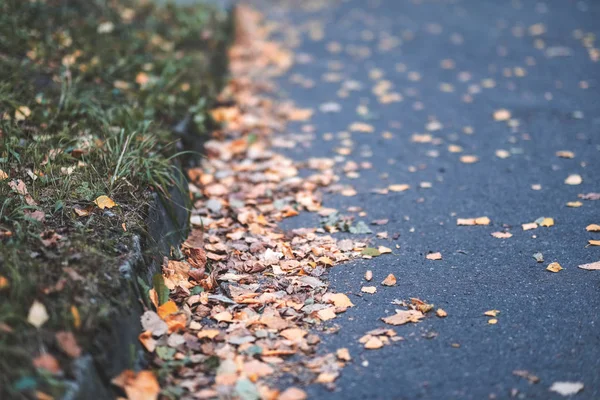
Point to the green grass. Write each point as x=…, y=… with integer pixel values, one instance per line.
x=90, y=91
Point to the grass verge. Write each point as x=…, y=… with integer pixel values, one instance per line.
x=90, y=96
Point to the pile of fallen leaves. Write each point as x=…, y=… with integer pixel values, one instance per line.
x=244, y=295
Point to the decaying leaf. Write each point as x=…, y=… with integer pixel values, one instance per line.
x=104, y=202
x=473, y=221
x=554, y=267
x=403, y=317
x=529, y=226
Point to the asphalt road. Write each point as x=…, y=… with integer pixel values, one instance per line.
x=532, y=58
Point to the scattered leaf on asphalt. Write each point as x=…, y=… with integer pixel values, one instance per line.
x=368, y=289
x=547, y=222
x=370, y=251
x=574, y=204
x=554, y=267
x=593, y=228
x=594, y=242
x=567, y=388
x=403, y=317
x=469, y=159
x=574, y=179
x=492, y=313
x=501, y=114
x=595, y=266
x=434, y=256
x=529, y=226
x=501, y=235
x=493, y=321
x=473, y=221
x=373, y=343
x=441, y=313
x=343, y=354
x=526, y=375
x=390, y=280
x=368, y=275
x=104, y=202
x=293, y=393
x=539, y=257
x=565, y=154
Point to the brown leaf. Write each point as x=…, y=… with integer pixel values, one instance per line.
x=390, y=280
x=104, y=202
x=404, y=316
x=501, y=235
x=343, y=354
x=593, y=228
x=373, y=343
x=293, y=393
x=441, y=313
x=434, y=256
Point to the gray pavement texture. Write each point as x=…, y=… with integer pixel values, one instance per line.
x=536, y=59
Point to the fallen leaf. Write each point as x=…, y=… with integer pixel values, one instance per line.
x=104, y=202
x=168, y=308
x=539, y=257
x=147, y=341
x=473, y=221
x=469, y=159
x=293, y=334
x=76, y=317
x=404, y=316
x=398, y=187
x=68, y=343
x=343, y=354
x=373, y=343
x=441, y=313
x=501, y=114
x=492, y=321
x=593, y=228
x=554, y=267
x=384, y=250
x=492, y=313
x=368, y=289
x=547, y=222
x=527, y=375
x=595, y=266
x=390, y=280
x=574, y=204
x=224, y=316
x=47, y=362
x=37, y=314
x=338, y=299
x=566, y=388
x=501, y=235
x=326, y=314
x=565, y=154
x=368, y=275
x=208, y=333
x=574, y=179
x=434, y=256
x=529, y=226
x=138, y=385
x=293, y=393
x=3, y=175
x=594, y=242
x=370, y=251
x=500, y=153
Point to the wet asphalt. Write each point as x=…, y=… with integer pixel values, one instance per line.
x=533, y=58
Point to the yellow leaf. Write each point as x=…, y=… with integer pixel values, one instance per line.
x=168, y=308
x=469, y=159
x=104, y=202
x=547, y=222
x=22, y=113
x=399, y=187
x=3, y=175
x=554, y=267
x=76, y=317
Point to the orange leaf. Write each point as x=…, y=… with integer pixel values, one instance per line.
x=166, y=309
x=104, y=202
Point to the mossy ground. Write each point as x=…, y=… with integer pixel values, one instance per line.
x=89, y=95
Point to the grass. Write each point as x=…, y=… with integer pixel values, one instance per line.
x=89, y=95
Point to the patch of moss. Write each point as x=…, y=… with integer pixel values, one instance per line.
x=89, y=95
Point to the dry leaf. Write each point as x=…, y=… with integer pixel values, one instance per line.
x=147, y=341
x=390, y=280
x=3, y=175
x=527, y=375
x=469, y=159
x=441, y=313
x=404, y=316
x=473, y=221
x=104, y=202
x=338, y=299
x=293, y=393
x=37, y=314
x=567, y=388
x=368, y=289
x=554, y=267
x=593, y=228
x=368, y=275
x=224, y=316
x=434, y=256
x=384, y=250
x=492, y=313
x=138, y=386
x=529, y=226
x=501, y=114
x=574, y=204
x=398, y=187
x=565, y=154
x=343, y=354
x=373, y=343
x=547, y=222
x=293, y=334
x=492, y=321
x=594, y=242
x=326, y=314
x=166, y=309
x=595, y=266
x=574, y=179
x=501, y=235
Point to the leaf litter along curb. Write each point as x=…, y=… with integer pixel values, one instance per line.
x=244, y=295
